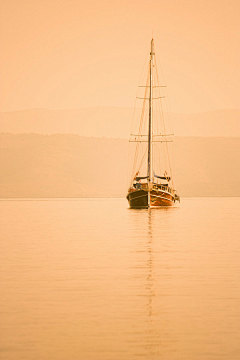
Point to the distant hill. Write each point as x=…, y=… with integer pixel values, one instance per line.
x=115, y=122
x=34, y=165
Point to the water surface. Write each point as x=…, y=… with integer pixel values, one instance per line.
x=91, y=279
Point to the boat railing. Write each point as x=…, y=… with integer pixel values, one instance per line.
x=144, y=186
x=161, y=187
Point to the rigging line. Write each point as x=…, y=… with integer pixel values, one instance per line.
x=158, y=76
x=141, y=163
x=166, y=164
x=134, y=110
x=143, y=109
x=140, y=79
x=157, y=115
x=138, y=144
x=135, y=119
x=139, y=167
x=166, y=156
x=165, y=128
x=128, y=169
x=168, y=100
x=158, y=151
x=139, y=132
x=143, y=159
x=133, y=114
x=156, y=125
x=144, y=67
x=159, y=159
x=160, y=147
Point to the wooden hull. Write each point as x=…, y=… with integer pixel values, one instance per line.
x=139, y=199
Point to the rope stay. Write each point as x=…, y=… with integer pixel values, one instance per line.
x=161, y=157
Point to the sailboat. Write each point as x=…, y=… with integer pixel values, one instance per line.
x=148, y=189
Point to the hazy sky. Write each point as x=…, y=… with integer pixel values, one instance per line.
x=60, y=54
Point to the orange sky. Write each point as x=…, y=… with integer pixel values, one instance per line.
x=60, y=54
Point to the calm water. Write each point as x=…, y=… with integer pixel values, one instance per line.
x=90, y=279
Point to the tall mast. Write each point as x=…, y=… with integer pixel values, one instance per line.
x=150, y=127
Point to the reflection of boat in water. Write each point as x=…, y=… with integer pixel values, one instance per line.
x=151, y=344
x=151, y=190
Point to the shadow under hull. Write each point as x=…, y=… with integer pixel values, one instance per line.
x=139, y=199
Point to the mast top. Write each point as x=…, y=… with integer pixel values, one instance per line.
x=152, y=44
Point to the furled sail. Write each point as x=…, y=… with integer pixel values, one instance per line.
x=141, y=177
x=163, y=177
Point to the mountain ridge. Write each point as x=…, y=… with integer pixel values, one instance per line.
x=67, y=165
x=115, y=122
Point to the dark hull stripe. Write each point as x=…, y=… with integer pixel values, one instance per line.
x=138, y=199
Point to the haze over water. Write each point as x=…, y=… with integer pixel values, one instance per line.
x=92, y=279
